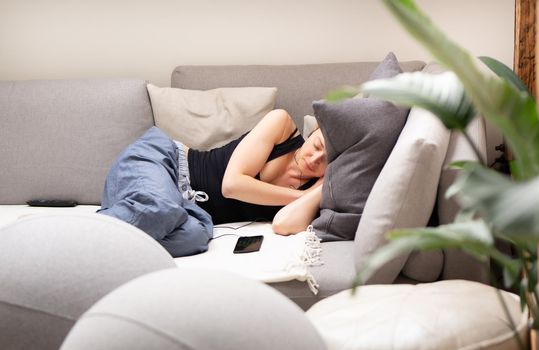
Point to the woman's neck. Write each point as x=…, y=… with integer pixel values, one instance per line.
x=294, y=170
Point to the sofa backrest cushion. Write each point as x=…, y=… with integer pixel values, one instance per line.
x=297, y=85
x=58, y=138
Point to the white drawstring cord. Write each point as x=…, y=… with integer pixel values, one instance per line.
x=192, y=195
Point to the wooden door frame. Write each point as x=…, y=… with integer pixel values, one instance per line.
x=525, y=42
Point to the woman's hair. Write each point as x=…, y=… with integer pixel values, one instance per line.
x=313, y=130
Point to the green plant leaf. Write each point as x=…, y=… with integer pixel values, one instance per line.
x=510, y=207
x=461, y=164
x=465, y=215
x=512, y=111
x=511, y=275
x=515, y=170
x=342, y=93
x=441, y=94
x=460, y=182
x=533, y=277
x=471, y=231
x=532, y=252
x=383, y=255
x=473, y=237
x=522, y=294
x=504, y=72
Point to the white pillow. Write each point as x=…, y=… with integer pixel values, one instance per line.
x=208, y=119
x=404, y=193
x=441, y=315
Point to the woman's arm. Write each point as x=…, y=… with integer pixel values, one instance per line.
x=296, y=216
x=249, y=158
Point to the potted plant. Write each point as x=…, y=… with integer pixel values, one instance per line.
x=493, y=205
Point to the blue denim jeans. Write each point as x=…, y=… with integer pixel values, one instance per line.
x=141, y=189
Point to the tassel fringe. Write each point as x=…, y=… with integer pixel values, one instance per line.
x=311, y=256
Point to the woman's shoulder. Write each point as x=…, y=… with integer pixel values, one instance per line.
x=281, y=122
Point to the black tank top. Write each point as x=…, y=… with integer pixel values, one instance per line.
x=207, y=169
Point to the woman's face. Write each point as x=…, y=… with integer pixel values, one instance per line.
x=312, y=157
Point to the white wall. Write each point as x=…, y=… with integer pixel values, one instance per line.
x=148, y=38
x=44, y=39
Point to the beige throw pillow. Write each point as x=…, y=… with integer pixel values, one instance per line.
x=208, y=119
x=309, y=125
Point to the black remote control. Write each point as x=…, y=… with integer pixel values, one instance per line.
x=51, y=203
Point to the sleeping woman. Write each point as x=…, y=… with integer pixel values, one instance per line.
x=271, y=173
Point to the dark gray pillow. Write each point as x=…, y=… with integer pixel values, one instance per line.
x=359, y=136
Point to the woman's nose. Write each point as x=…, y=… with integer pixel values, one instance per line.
x=317, y=157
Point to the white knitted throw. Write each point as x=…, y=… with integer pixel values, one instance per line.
x=280, y=259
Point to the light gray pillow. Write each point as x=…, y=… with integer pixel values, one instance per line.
x=403, y=196
x=195, y=309
x=206, y=119
x=54, y=267
x=359, y=136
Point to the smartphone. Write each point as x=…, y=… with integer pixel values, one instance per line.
x=248, y=244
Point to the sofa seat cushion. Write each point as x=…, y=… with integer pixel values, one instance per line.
x=11, y=213
x=335, y=274
x=453, y=314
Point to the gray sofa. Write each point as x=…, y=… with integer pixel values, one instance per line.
x=297, y=87
x=58, y=139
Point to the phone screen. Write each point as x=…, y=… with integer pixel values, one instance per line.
x=248, y=244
